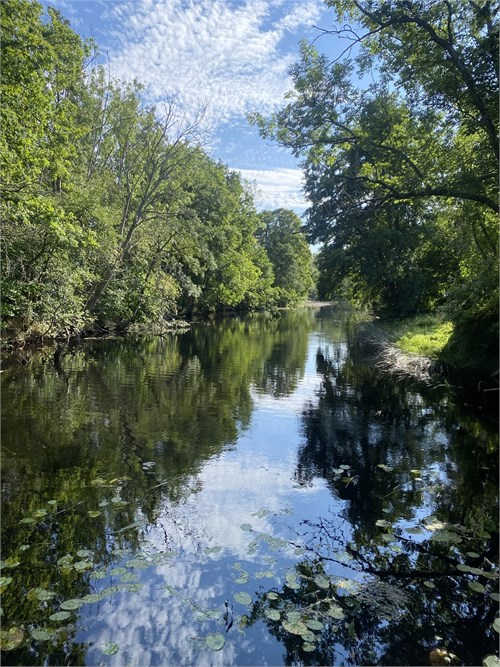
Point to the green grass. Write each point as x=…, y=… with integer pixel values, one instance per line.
x=424, y=336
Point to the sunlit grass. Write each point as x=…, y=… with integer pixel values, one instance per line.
x=425, y=337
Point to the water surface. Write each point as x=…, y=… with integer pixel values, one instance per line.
x=250, y=492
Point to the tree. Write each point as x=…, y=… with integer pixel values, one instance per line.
x=419, y=146
x=281, y=235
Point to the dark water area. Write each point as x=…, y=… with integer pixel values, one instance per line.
x=250, y=492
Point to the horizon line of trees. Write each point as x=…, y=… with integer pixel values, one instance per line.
x=113, y=214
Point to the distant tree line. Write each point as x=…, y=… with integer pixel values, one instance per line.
x=113, y=215
x=402, y=171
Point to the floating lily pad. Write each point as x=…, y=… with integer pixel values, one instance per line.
x=139, y=563
x=308, y=636
x=322, y=581
x=266, y=574
x=104, y=503
x=243, y=598
x=110, y=648
x=52, y=502
x=496, y=625
x=345, y=467
x=382, y=523
x=98, y=574
x=91, y=598
x=8, y=563
x=295, y=627
x=93, y=513
x=215, y=641
x=65, y=560
x=133, y=588
x=212, y=550
x=28, y=519
x=118, y=571
x=39, y=514
x=43, y=595
x=272, y=596
x=243, y=578
x=446, y=536
x=41, y=634
x=476, y=586
x=494, y=596
x=24, y=547
x=74, y=603
x=82, y=565
x=273, y=614
x=334, y=611
x=128, y=577
x=385, y=468
x=491, y=661
x=111, y=590
x=388, y=537
x=308, y=647
x=60, y=616
x=10, y=639
x=314, y=624
x=429, y=584
x=473, y=554
x=246, y=526
x=261, y=513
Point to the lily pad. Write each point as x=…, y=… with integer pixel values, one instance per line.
x=28, y=520
x=314, y=624
x=246, y=526
x=110, y=648
x=93, y=513
x=10, y=639
x=272, y=596
x=60, y=616
x=446, y=536
x=74, y=603
x=334, y=611
x=491, y=661
x=133, y=588
x=128, y=578
x=212, y=550
x=65, y=560
x=322, y=581
x=295, y=627
x=473, y=554
x=476, y=586
x=139, y=563
x=273, y=614
x=43, y=595
x=382, y=523
x=91, y=598
x=215, y=641
x=494, y=596
x=266, y=574
x=82, y=565
x=9, y=562
x=41, y=634
x=429, y=584
x=243, y=598
x=385, y=468
x=308, y=647
x=496, y=625
x=243, y=578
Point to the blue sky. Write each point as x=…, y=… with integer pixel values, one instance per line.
x=231, y=56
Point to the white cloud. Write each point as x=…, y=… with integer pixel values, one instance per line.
x=277, y=187
x=225, y=54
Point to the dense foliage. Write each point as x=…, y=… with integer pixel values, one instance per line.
x=401, y=172
x=113, y=214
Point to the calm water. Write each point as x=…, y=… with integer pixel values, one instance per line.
x=250, y=492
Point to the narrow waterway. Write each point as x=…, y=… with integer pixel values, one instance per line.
x=249, y=492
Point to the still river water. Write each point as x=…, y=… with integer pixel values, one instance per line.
x=250, y=492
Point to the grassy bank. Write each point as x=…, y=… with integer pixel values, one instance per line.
x=425, y=335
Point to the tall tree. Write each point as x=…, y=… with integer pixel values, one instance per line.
x=281, y=235
x=419, y=145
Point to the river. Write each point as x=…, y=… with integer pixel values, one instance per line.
x=249, y=492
